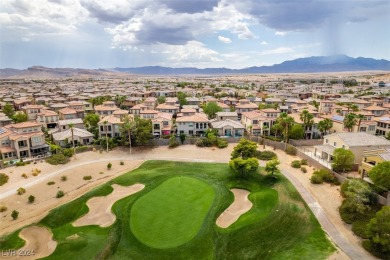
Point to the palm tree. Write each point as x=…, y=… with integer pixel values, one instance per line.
x=360, y=118
x=265, y=128
x=71, y=127
x=325, y=125
x=105, y=128
x=286, y=122
x=307, y=120
x=350, y=121
x=128, y=126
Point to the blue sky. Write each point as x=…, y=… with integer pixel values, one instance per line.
x=188, y=33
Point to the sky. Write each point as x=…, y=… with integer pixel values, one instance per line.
x=188, y=33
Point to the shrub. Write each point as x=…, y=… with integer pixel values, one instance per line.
x=3, y=208
x=222, y=143
x=101, y=172
x=64, y=178
x=35, y=172
x=303, y=162
x=360, y=228
x=3, y=178
x=316, y=179
x=60, y=194
x=344, y=188
x=296, y=164
x=81, y=149
x=20, y=163
x=173, y=142
x=265, y=155
x=31, y=199
x=203, y=142
x=51, y=183
x=303, y=169
x=324, y=176
x=291, y=150
x=57, y=159
x=87, y=178
x=24, y=176
x=21, y=191
x=14, y=214
x=68, y=152
x=122, y=163
x=109, y=165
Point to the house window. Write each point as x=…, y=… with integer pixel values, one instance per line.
x=343, y=146
x=36, y=139
x=101, y=128
x=334, y=144
x=326, y=141
x=371, y=128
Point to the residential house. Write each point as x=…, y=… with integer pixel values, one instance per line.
x=312, y=131
x=371, y=158
x=382, y=125
x=326, y=106
x=110, y=126
x=162, y=124
x=48, y=119
x=192, y=125
x=228, y=127
x=32, y=111
x=376, y=111
x=150, y=103
x=106, y=109
x=168, y=108
x=136, y=110
x=80, y=137
x=244, y=106
x=148, y=114
x=63, y=125
x=221, y=116
x=67, y=113
x=355, y=142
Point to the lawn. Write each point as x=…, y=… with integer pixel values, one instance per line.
x=279, y=225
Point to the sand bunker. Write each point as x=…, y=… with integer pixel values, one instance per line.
x=240, y=205
x=39, y=244
x=100, y=207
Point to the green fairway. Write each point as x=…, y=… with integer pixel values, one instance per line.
x=174, y=217
x=172, y=213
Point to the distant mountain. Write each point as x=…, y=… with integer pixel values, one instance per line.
x=337, y=63
x=312, y=64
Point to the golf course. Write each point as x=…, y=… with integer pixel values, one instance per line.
x=170, y=212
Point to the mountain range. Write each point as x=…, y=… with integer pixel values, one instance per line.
x=339, y=63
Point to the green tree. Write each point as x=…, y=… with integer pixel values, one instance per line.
x=244, y=149
x=143, y=130
x=211, y=109
x=161, y=99
x=182, y=99
x=379, y=231
x=286, y=122
x=315, y=103
x=8, y=110
x=307, y=120
x=127, y=128
x=350, y=121
x=244, y=166
x=272, y=166
x=20, y=117
x=380, y=175
x=360, y=195
x=91, y=120
x=297, y=132
x=119, y=99
x=325, y=125
x=342, y=160
x=359, y=119
x=14, y=214
x=182, y=138
x=31, y=199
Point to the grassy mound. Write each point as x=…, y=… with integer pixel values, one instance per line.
x=172, y=213
x=278, y=226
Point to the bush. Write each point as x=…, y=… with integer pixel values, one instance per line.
x=3, y=178
x=31, y=199
x=316, y=179
x=60, y=194
x=64, y=178
x=173, y=142
x=203, y=142
x=3, y=208
x=51, y=183
x=109, y=165
x=296, y=164
x=303, y=162
x=291, y=150
x=303, y=169
x=57, y=159
x=14, y=214
x=360, y=228
x=81, y=149
x=21, y=191
x=24, y=176
x=68, y=152
x=122, y=163
x=222, y=143
x=265, y=155
x=344, y=188
x=87, y=178
x=35, y=172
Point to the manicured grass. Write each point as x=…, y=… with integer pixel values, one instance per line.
x=279, y=225
x=171, y=214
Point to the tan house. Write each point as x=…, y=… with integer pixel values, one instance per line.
x=165, y=108
x=22, y=140
x=228, y=127
x=32, y=111
x=371, y=158
x=48, y=118
x=382, y=125
x=162, y=124
x=106, y=109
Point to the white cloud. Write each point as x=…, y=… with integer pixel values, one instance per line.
x=280, y=50
x=192, y=51
x=224, y=39
x=280, y=33
x=264, y=43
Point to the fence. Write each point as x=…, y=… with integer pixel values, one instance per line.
x=310, y=142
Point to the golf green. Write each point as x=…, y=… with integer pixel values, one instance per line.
x=173, y=213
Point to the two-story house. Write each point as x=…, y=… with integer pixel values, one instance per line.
x=32, y=111
x=106, y=109
x=162, y=124
x=48, y=119
x=192, y=125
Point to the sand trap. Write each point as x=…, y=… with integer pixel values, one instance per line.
x=240, y=205
x=39, y=244
x=100, y=207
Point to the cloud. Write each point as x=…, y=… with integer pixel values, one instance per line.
x=224, y=39
x=264, y=43
x=280, y=33
x=280, y=50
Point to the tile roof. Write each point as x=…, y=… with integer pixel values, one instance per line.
x=362, y=139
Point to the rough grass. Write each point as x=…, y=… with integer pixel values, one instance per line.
x=279, y=225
